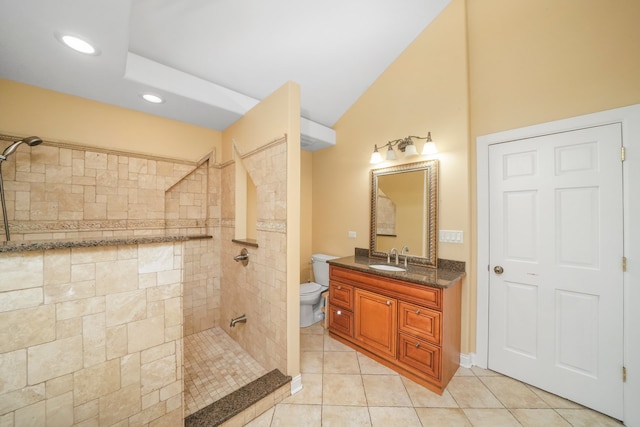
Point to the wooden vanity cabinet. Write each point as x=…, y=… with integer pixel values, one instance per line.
x=411, y=328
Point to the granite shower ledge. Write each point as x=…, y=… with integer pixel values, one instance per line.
x=27, y=246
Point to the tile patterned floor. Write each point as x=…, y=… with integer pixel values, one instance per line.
x=215, y=365
x=345, y=388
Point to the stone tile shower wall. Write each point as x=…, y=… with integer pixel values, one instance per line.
x=187, y=203
x=92, y=336
x=59, y=191
x=201, y=303
x=258, y=290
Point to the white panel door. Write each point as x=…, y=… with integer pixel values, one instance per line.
x=556, y=309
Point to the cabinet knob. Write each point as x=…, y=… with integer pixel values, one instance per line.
x=338, y=312
x=339, y=287
x=418, y=311
x=388, y=302
x=417, y=345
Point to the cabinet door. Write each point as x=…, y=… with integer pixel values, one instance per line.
x=340, y=321
x=419, y=355
x=376, y=322
x=420, y=321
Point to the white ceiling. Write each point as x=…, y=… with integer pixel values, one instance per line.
x=212, y=60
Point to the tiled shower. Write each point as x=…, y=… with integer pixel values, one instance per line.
x=58, y=191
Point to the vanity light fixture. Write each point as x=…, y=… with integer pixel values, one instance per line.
x=154, y=99
x=405, y=145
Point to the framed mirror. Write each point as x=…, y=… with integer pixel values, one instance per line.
x=404, y=211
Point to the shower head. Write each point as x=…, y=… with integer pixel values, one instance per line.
x=31, y=141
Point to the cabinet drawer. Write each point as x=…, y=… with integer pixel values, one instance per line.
x=419, y=355
x=420, y=322
x=417, y=294
x=340, y=320
x=341, y=294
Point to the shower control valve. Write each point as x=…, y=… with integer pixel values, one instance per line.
x=243, y=257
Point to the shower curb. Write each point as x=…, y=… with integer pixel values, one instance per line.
x=232, y=404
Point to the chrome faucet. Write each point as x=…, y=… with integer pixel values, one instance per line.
x=392, y=251
x=404, y=251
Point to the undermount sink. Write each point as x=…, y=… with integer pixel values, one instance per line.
x=385, y=267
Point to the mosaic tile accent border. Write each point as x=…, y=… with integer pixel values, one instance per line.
x=273, y=226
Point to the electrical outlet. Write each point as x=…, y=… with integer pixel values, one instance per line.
x=351, y=234
x=451, y=236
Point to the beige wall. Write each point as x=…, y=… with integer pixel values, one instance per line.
x=267, y=121
x=525, y=63
x=536, y=61
x=27, y=110
x=306, y=214
x=424, y=90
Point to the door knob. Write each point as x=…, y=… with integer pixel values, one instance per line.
x=498, y=269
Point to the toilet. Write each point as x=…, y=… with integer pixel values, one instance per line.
x=310, y=293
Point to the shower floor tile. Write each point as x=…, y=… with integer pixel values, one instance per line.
x=215, y=365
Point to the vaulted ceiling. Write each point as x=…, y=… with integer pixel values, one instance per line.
x=211, y=60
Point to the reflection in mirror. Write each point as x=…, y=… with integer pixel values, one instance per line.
x=404, y=211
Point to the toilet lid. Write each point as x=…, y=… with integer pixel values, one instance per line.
x=309, y=288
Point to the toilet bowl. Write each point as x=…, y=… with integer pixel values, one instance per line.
x=311, y=301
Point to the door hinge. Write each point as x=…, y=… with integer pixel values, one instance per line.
x=624, y=264
x=624, y=374
x=622, y=153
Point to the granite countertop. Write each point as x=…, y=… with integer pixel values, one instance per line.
x=26, y=245
x=441, y=277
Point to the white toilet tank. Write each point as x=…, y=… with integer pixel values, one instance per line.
x=321, y=268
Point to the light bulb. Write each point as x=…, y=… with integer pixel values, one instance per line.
x=429, y=148
x=79, y=45
x=410, y=151
x=375, y=157
x=154, y=99
x=391, y=155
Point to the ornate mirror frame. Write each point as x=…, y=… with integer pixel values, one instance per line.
x=429, y=214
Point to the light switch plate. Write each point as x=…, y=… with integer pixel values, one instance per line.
x=451, y=236
x=352, y=234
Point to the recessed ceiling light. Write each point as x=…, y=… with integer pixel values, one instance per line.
x=154, y=99
x=78, y=44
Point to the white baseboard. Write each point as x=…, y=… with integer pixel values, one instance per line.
x=467, y=360
x=296, y=384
